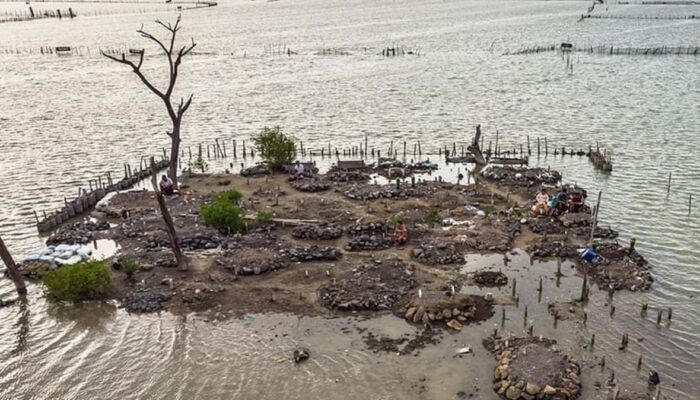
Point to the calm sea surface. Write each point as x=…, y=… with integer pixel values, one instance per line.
x=66, y=120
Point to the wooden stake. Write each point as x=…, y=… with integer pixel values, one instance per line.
x=12, y=271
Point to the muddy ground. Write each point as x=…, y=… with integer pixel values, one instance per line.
x=330, y=251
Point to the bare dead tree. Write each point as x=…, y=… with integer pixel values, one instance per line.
x=175, y=111
x=170, y=226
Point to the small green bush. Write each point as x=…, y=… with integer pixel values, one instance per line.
x=432, y=217
x=223, y=215
x=231, y=195
x=198, y=163
x=130, y=267
x=264, y=217
x=396, y=219
x=87, y=280
x=274, y=147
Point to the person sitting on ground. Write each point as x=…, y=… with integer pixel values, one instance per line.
x=299, y=168
x=167, y=186
x=541, y=201
x=557, y=204
x=575, y=202
x=400, y=234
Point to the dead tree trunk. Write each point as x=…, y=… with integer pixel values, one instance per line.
x=175, y=111
x=475, y=149
x=170, y=226
x=12, y=269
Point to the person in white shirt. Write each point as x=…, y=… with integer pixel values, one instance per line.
x=541, y=201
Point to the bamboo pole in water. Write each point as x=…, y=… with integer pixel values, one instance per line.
x=12, y=269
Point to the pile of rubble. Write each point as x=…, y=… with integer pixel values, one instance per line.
x=309, y=185
x=317, y=232
x=146, y=300
x=311, y=253
x=440, y=253
x=256, y=170
x=490, y=278
x=347, y=176
x=78, y=233
x=533, y=368
x=373, y=192
x=437, y=306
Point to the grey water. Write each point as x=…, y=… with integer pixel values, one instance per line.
x=67, y=119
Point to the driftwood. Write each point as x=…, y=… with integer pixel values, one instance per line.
x=172, y=234
x=12, y=269
x=475, y=149
x=290, y=222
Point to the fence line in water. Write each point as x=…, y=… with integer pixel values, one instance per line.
x=643, y=17
x=612, y=50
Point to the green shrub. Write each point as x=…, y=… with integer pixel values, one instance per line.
x=396, y=219
x=275, y=147
x=264, y=217
x=231, y=195
x=198, y=163
x=223, y=215
x=129, y=267
x=87, y=280
x=432, y=217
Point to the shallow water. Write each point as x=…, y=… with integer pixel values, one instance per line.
x=64, y=120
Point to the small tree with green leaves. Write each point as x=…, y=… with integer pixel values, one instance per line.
x=275, y=147
x=87, y=280
x=432, y=217
x=264, y=217
x=223, y=213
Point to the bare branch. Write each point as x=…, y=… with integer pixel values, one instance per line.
x=184, y=105
x=137, y=70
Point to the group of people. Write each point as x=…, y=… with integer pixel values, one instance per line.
x=558, y=204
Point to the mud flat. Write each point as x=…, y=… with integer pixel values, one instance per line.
x=332, y=254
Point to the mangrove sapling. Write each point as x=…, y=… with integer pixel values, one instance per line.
x=222, y=214
x=432, y=217
x=129, y=268
x=87, y=280
x=175, y=111
x=264, y=217
x=274, y=147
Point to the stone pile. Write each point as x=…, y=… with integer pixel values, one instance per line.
x=78, y=233
x=369, y=287
x=369, y=243
x=146, y=300
x=490, y=278
x=524, y=177
x=311, y=253
x=374, y=192
x=317, y=232
x=256, y=170
x=310, y=185
x=618, y=268
x=437, y=306
x=347, y=176
x=552, y=248
x=532, y=368
x=439, y=253
x=196, y=242
x=260, y=267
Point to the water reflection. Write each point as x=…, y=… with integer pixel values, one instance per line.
x=86, y=315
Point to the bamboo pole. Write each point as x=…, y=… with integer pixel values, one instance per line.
x=12, y=269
